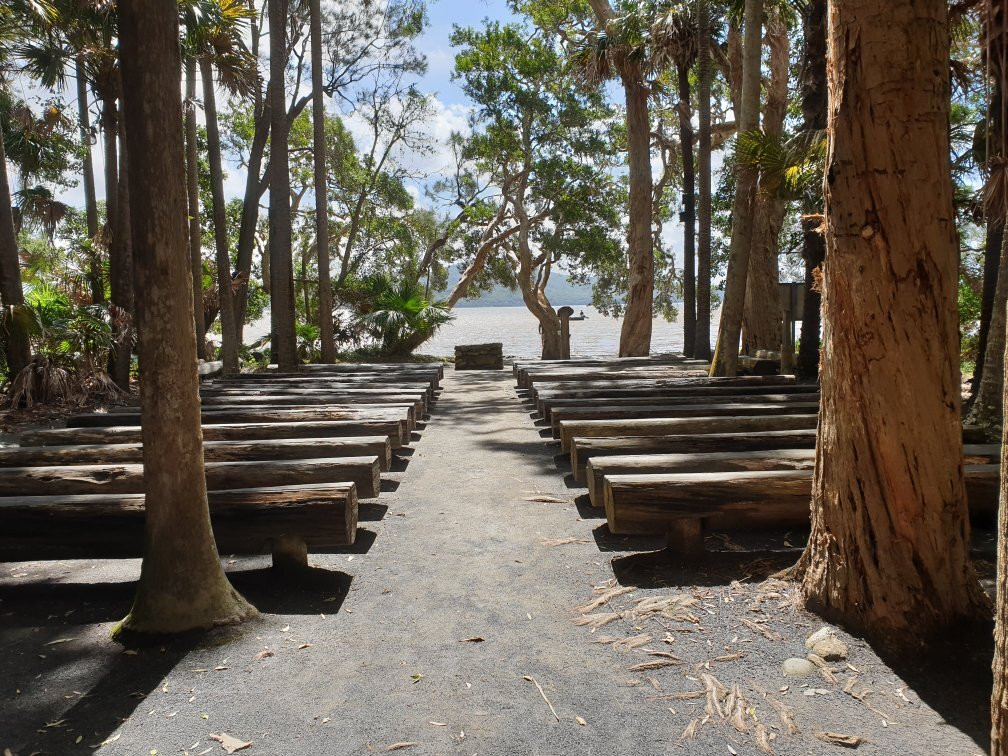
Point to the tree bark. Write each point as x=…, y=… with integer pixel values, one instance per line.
x=988, y=407
x=813, y=105
x=283, y=342
x=16, y=345
x=121, y=273
x=889, y=547
x=689, y=213
x=701, y=345
x=725, y=360
x=635, y=333
x=225, y=294
x=182, y=586
x=325, y=316
x=95, y=278
x=192, y=193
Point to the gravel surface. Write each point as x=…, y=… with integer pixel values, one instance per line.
x=437, y=630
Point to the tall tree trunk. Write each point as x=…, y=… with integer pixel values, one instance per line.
x=813, y=105
x=95, y=279
x=325, y=315
x=635, y=333
x=16, y=344
x=988, y=408
x=701, y=346
x=192, y=196
x=283, y=342
x=689, y=213
x=889, y=547
x=993, y=239
x=225, y=296
x=761, y=320
x=813, y=254
x=110, y=148
x=725, y=360
x=121, y=277
x=182, y=586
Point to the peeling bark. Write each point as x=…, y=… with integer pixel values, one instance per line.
x=888, y=552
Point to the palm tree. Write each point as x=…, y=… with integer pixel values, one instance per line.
x=726, y=353
x=90, y=196
x=675, y=36
x=701, y=344
x=193, y=201
x=215, y=31
x=182, y=586
x=325, y=315
x=283, y=339
x=397, y=314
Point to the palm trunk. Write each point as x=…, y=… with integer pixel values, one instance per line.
x=283, y=341
x=813, y=104
x=761, y=320
x=229, y=347
x=182, y=585
x=95, y=278
x=17, y=347
x=121, y=277
x=701, y=346
x=325, y=314
x=635, y=334
x=725, y=360
x=192, y=195
x=689, y=213
x=888, y=553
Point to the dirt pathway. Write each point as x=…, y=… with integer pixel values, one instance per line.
x=379, y=648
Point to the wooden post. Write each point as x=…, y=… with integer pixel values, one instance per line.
x=565, y=313
x=684, y=539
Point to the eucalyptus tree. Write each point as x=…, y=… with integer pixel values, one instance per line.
x=701, y=343
x=537, y=138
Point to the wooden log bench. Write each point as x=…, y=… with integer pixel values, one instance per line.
x=663, y=411
x=319, y=380
x=671, y=372
x=341, y=393
x=213, y=451
x=568, y=388
x=267, y=401
x=363, y=472
x=583, y=450
x=131, y=434
x=214, y=416
x=285, y=521
x=684, y=505
x=528, y=373
x=749, y=365
x=610, y=363
x=599, y=468
x=651, y=426
x=546, y=405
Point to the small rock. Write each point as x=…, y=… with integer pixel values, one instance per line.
x=821, y=634
x=831, y=649
x=798, y=667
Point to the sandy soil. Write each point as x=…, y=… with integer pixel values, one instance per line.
x=432, y=634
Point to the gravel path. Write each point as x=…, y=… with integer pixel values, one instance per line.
x=430, y=633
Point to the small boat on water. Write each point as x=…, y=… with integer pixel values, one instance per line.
x=579, y=316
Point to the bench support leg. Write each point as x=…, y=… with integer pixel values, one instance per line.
x=289, y=552
x=685, y=539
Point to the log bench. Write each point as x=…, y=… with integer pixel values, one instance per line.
x=651, y=426
x=546, y=404
x=319, y=380
x=285, y=521
x=363, y=472
x=213, y=451
x=567, y=388
x=599, y=468
x=662, y=411
x=339, y=393
x=393, y=429
x=684, y=505
x=217, y=416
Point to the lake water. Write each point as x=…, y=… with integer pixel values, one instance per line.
x=598, y=335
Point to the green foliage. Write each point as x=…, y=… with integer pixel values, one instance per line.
x=396, y=314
